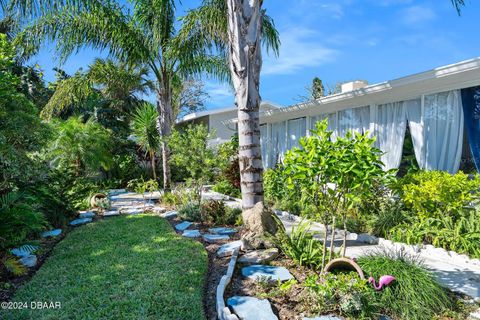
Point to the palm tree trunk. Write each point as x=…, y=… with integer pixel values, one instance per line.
x=154, y=170
x=164, y=127
x=244, y=30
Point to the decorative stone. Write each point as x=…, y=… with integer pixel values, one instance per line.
x=384, y=317
x=475, y=315
x=272, y=273
x=228, y=248
x=78, y=222
x=183, y=226
x=133, y=211
x=258, y=222
x=367, y=238
x=191, y=233
x=249, y=308
x=214, y=238
x=52, y=233
x=24, y=250
x=159, y=209
x=170, y=214
x=29, y=261
x=259, y=256
x=222, y=231
x=323, y=318
x=86, y=214
x=111, y=213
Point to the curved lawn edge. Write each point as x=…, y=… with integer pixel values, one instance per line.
x=127, y=267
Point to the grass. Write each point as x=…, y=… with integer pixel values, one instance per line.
x=414, y=295
x=128, y=267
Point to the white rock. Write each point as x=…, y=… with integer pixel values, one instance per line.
x=367, y=238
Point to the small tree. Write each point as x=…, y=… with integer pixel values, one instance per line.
x=318, y=90
x=192, y=153
x=332, y=176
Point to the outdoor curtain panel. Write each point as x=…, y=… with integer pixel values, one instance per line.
x=264, y=143
x=332, y=123
x=297, y=128
x=471, y=110
x=279, y=144
x=356, y=119
x=443, y=131
x=390, y=132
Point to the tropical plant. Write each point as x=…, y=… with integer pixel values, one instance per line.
x=299, y=245
x=214, y=211
x=332, y=176
x=415, y=294
x=225, y=187
x=191, y=212
x=145, y=131
x=14, y=267
x=82, y=147
x=18, y=220
x=145, y=35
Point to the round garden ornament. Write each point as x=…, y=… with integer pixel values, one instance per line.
x=98, y=200
x=344, y=264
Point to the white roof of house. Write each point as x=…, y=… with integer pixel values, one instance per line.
x=460, y=75
x=264, y=106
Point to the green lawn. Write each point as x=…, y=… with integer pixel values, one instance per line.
x=128, y=267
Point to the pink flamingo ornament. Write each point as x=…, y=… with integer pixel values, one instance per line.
x=382, y=282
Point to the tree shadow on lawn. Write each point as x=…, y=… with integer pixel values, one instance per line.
x=127, y=267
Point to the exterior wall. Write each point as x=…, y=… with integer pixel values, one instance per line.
x=223, y=133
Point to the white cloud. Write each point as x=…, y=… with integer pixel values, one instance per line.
x=415, y=15
x=300, y=49
x=221, y=95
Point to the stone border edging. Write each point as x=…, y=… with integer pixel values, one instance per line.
x=223, y=312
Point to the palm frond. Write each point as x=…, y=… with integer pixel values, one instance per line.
x=458, y=4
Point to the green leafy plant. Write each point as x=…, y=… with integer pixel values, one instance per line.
x=18, y=220
x=415, y=294
x=190, y=212
x=14, y=267
x=213, y=211
x=332, y=176
x=299, y=245
x=225, y=187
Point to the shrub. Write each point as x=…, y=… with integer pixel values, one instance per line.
x=18, y=220
x=233, y=216
x=436, y=193
x=171, y=199
x=414, y=295
x=225, y=187
x=190, y=212
x=213, y=211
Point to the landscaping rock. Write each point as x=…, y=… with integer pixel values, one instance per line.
x=52, y=233
x=367, y=238
x=215, y=238
x=86, y=214
x=29, y=261
x=111, y=213
x=384, y=317
x=228, y=248
x=133, y=211
x=78, y=222
x=170, y=214
x=24, y=250
x=323, y=318
x=191, y=233
x=159, y=209
x=273, y=273
x=249, y=308
x=183, y=226
x=259, y=256
x=474, y=315
x=222, y=231
x=258, y=222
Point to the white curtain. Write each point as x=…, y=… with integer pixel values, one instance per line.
x=413, y=110
x=264, y=143
x=443, y=131
x=356, y=119
x=390, y=132
x=332, y=122
x=279, y=143
x=297, y=128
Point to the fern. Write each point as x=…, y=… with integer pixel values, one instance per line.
x=15, y=267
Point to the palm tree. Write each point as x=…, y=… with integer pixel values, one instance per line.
x=239, y=27
x=145, y=35
x=458, y=4
x=145, y=131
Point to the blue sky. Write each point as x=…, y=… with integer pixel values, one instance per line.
x=339, y=40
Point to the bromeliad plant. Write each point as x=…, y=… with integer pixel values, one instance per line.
x=332, y=176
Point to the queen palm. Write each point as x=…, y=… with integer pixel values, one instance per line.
x=145, y=35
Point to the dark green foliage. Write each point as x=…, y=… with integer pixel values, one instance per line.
x=414, y=295
x=225, y=187
x=18, y=220
x=214, y=211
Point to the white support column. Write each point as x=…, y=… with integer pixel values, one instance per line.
x=373, y=119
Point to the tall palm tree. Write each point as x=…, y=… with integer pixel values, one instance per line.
x=145, y=131
x=458, y=4
x=238, y=28
x=145, y=35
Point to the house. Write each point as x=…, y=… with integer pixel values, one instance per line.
x=439, y=110
x=214, y=119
